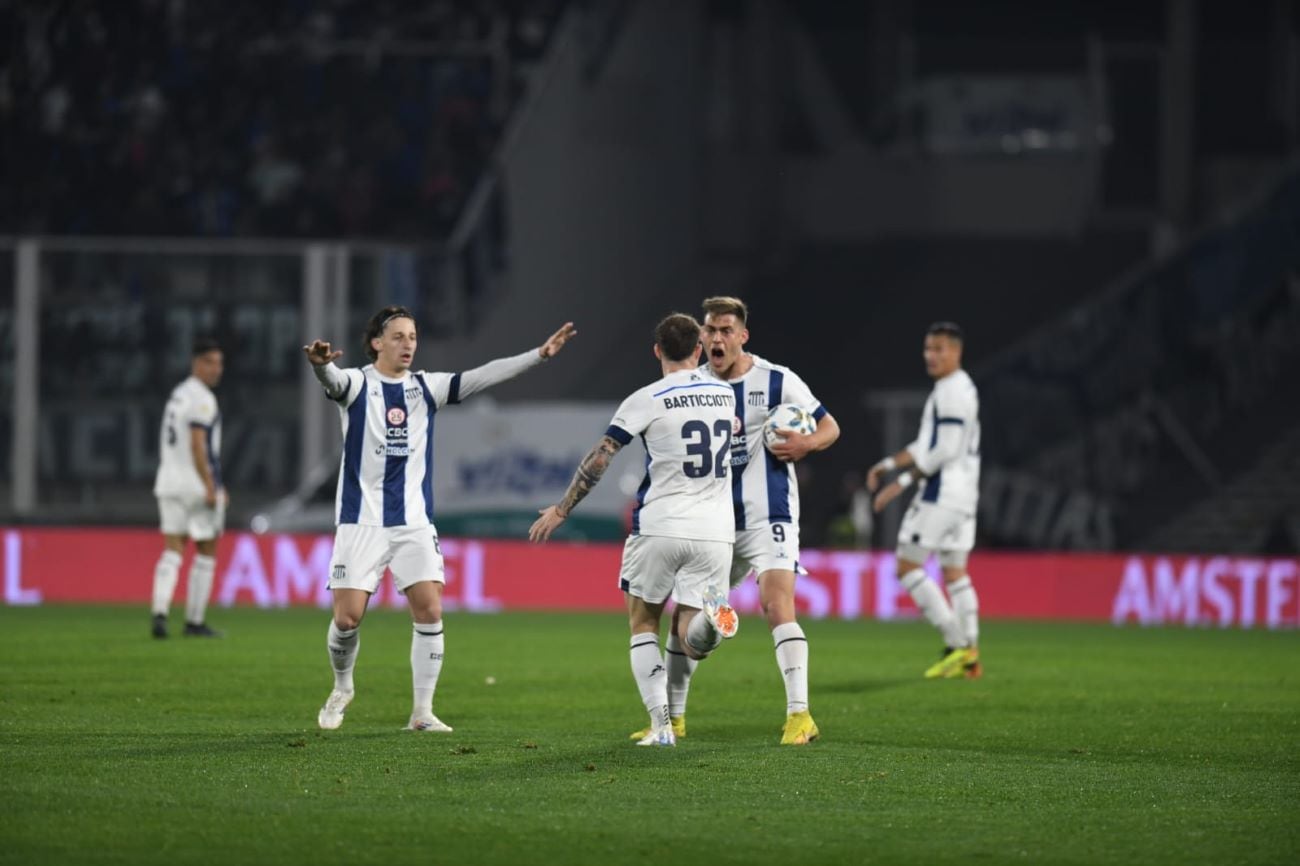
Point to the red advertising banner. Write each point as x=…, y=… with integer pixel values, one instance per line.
x=43, y=566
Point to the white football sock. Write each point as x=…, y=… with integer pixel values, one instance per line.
x=966, y=605
x=651, y=676
x=929, y=598
x=343, y=647
x=426, y=664
x=680, y=668
x=199, y=588
x=701, y=634
x=792, y=659
x=165, y=574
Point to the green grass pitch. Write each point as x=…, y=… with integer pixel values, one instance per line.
x=1082, y=744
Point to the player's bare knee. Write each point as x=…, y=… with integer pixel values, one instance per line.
x=345, y=621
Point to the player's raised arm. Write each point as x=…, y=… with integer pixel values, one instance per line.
x=589, y=473
x=502, y=369
x=322, y=356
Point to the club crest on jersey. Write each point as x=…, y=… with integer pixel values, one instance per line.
x=396, y=415
x=757, y=398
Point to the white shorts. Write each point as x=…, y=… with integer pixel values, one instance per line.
x=655, y=567
x=361, y=553
x=929, y=528
x=183, y=515
x=770, y=547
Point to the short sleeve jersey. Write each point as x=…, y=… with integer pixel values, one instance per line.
x=192, y=406
x=686, y=422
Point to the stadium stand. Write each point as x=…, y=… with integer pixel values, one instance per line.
x=311, y=119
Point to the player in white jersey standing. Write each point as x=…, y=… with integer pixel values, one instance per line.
x=765, y=501
x=945, y=458
x=682, y=526
x=191, y=498
x=384, y=503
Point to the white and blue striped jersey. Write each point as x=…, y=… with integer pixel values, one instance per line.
x=386, y=471
x=686, y=421
x=763, y=489
x=947, y=446
x=192, y=406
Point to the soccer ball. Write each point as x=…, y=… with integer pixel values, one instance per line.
x=783, y=419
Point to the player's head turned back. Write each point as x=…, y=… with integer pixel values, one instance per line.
x=207, y=361
x=943, y=345
x=379, y=323
x=677, y=337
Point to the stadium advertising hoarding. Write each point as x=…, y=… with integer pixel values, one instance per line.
x=42, y=566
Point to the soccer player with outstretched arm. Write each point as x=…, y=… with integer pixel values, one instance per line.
x=384, y=504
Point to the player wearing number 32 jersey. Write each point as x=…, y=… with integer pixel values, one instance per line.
x=682, y=525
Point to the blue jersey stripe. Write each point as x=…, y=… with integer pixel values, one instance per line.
x=931, y=491
x=453, y=391
x=395, y=464
x=737, y=478
x=350, y=501
x=641, y=491
x=778, y=473
x=427, y=487
x=819, y=412
x=214, y=462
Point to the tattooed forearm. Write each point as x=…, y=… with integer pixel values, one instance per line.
x=590, y=470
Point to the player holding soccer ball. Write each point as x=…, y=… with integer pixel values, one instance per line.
x=941, y=518
x=384, y=507
x=765, y=498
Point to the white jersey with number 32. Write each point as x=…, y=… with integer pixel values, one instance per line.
x=686, y=421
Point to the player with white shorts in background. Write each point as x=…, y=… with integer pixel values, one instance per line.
x=765, y=501
x=682, y=525
x=945, y=461
x=384, y=503
x=191, y=497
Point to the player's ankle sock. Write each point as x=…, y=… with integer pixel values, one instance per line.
x=426, y=664
x=929, y=599
x=651, y=676
x=792, y=659
x=199, y=587
x=343, y=646
x=165, y=574
x=701, y=634
x=680, y=668
x=966, y=606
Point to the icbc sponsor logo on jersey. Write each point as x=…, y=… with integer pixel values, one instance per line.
x=397, y=445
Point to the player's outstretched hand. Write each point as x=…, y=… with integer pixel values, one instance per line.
x=556, y=342
x=320, y=354
x=546, y=524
